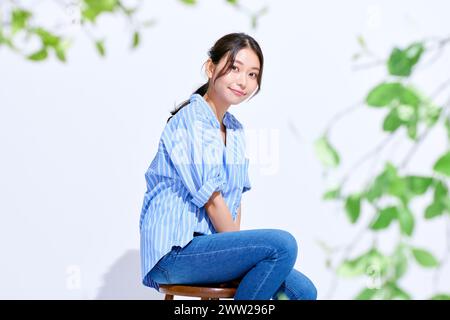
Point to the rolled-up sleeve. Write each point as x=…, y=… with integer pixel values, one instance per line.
x=247, y=184
x=193, y=146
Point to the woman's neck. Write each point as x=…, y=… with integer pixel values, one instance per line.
x=218, y=108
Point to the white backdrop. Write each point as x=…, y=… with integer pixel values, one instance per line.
x=77, y=138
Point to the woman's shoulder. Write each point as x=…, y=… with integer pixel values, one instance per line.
x=192, y=112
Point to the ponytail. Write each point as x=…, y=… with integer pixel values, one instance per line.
x=201, y=91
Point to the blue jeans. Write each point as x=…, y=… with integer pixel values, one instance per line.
x=262, y=259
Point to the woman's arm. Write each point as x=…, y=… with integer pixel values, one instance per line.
x=238, y=218
x=219, y=214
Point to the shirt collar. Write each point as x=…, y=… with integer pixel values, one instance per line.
x=227, y=121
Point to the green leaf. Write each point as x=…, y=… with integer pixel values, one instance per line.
x=376, y=189
x=282, y=296
x=442, y=165
x=424, y=258
x=406, y=220
x=418, y=185
x=401, y=62
x=332, y=194
x=440, y=190
x=362, y=42
x=93, y=8
x=61, y=50
x=353, y=207
x=254, y=21
x=414, y=52
x=386, y=182
x=47, y=38
x=100, y=45
x=377, y=263
x=19, y=20
x=408, y=96
x=384, y=218
x=60, y=54
x=431, y=114
x=447, y=126
x=392, y=121
x=370, y=262
x=352, y=268
x=406, y=112
x=396, y=186
x=189, y=2
x=385, y=94
x=441, y=296
x=38, y=55
x=136, y=39
x=6, y=41
x=3, y=38
x=440, y=202
x=232, y=1
x=399, y=261
x=367, y=294
x=394, y=292
x=434, y=209
x=326, y=153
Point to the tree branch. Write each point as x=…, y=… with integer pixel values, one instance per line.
x=366, y=157
x=420, y=139
x=341, y=114
x=438, y=272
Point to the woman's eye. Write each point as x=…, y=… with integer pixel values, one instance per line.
x=253, y=75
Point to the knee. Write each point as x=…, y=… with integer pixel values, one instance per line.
x=308, y=288
x=311, y=292
x=284, y=243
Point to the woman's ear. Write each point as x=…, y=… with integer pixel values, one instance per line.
x=210, y=67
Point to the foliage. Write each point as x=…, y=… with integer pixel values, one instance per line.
x=20, y=28
x=388, y=195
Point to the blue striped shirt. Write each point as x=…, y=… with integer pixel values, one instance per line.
x=191, y=163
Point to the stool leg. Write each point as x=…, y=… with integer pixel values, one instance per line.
x=168, y=297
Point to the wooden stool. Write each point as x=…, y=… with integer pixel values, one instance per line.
x=204, y=292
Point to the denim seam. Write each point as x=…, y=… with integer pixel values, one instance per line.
x=231, y=249
x=261, y=282
x=296, y=296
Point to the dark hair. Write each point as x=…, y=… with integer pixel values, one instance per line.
x=231, y=43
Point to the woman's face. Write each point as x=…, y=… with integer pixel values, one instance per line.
x=242, y=78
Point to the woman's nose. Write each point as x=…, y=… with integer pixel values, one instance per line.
x=242, y=81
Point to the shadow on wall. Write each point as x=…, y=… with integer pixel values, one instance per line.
x=123, y=280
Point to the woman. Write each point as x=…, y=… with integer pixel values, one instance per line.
x=190, y=218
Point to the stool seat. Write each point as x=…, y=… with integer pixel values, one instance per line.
x=203, y=291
